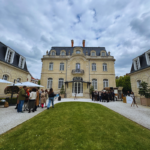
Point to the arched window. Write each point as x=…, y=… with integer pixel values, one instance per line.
x=51, y=66
x=61, y=66
x=60, y=83
x=5, y=77
x=105, y=83
x=104, y=67
x=93, y=66
x=103, y=53
x=77, y=52
x=62, y=53
x=19, y=80
x=53, y=53
x=94, y=83
x=49, y=83
x=138, y=83
x=93, y=54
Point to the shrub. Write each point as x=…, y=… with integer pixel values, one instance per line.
x=62, y=90
x=143, y=89
x=91, y=89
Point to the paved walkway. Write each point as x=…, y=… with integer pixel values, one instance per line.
x=9, y=118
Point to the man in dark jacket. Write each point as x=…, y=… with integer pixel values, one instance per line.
x=92, y=95
x=21, y=97
x=113, y=95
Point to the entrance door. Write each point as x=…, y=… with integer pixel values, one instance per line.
x=77, y=88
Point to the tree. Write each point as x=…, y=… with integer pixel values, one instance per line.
x=39, y=82
x=143, y=89
x=91, y=89
x=124, y=82
x=62, y=90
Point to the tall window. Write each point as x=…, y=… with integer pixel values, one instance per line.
x=104, y=67
x=9, y=56
x=77, y=66
x=62, y=53
x=21, y=63
x=77, y=52
x=61, y=66
x=49, y=83
x=105, y=83
x=51, y=66
x=93, y=66
x=61, y=82
x=136, y=64
x=103, y=53
x=138, y=83
x=53, y=53
x=93, y=54
x=5, y=77
x=94, y=83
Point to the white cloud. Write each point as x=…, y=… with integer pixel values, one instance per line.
x=33, y=27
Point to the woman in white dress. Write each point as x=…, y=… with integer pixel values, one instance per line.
x=133, y=97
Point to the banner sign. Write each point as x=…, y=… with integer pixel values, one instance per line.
x=129, y=99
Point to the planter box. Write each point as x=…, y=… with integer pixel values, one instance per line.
x=145, y=101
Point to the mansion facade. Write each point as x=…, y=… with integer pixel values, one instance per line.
x=77, y=68
x=12, y=66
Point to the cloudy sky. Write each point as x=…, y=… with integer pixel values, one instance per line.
x=32, y=27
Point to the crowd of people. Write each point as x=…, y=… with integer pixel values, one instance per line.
x=103, y=96
x=33, y=98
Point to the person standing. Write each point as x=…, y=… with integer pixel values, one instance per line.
x=92, y=95
x=37, y=99
x=133, y=97
x=51, y=98
x=32, y=99
x=100, y=97
x=46, y=97
x=21, y=98
x=42, y=99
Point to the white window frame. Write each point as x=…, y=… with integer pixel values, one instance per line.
x=103, y=54
x=62, y=66
x=53, y=53
x=147, y=57
x=60, y=83
x=21, y=57
x=49, y=83
x=78, y=66
x=5, y=77
x=19, y=80
x=62, y=53
x=93, y=66
x=12, y=57
x=51, y=66
x=94, y=83
x=78, y=52
x=93, y=54
x=138, y=83
x=105, y=83
x=104, y=67
x=134, y=62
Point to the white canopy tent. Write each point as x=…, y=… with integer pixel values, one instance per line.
x=4, y=81
x=28, y=84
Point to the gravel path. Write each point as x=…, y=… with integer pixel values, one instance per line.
x=9, y=118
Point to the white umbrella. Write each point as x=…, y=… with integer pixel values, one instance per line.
x=28, y=84
x=4, y=81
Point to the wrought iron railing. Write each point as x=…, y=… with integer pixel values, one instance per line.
x=79, y=71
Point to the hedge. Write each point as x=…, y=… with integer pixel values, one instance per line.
x=13, y=101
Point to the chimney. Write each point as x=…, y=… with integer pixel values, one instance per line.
x=83, y=43
x=108, y=53
x=72, y=42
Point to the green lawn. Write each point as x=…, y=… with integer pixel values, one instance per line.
x=77, y=126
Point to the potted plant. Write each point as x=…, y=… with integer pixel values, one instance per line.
x=62, y=92
x=91, y=90
x=145, y=93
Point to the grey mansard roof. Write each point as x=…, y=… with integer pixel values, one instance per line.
x=85, y=49
x=3, y=50
x=143, y=64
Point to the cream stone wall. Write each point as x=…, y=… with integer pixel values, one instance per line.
x=85, y=64
x=143, y=75
x=13, y=73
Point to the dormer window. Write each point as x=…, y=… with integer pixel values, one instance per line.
x=136, y=62
x=93, y=54
x=103, y=53
x=62, y=53
x=147, y=55
x=53, y=53
x=9, y=56
x=21, y=62
x=77, y=52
